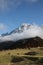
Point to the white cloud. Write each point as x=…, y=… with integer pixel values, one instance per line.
x=2, y=27
x=7, y=4
x=33, y=31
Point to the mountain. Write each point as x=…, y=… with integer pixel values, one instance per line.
x=24, y=36
x=4, y=34
x=22, y=32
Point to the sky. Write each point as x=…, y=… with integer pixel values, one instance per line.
x=15, y=12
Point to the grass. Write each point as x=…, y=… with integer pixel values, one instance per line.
x=18, y=55
x=27, y=60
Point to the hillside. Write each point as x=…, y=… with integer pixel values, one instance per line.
x=23, y=43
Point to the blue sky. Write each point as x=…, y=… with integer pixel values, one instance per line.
x=15, y=12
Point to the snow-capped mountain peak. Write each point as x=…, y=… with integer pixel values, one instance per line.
x=21, y=28
x=22, y=32
x=25, y=26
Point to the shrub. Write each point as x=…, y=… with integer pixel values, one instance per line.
x=31, y=53
x=32, y=58
x=40, y=60
x=16, y=59
x=8, y=53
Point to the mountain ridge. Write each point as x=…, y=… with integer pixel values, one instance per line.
x=22, y=32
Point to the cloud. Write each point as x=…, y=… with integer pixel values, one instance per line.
x=32, y=31
x=2, y=27
x=8, y=4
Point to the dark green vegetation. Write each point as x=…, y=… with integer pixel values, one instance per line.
x=27, y=61
x=31, y=53
x=24, y=43
x=16, y=59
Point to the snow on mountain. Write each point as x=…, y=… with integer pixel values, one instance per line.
x=21, y=28
x=22, y=32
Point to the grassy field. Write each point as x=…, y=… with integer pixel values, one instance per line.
x=19, y=57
